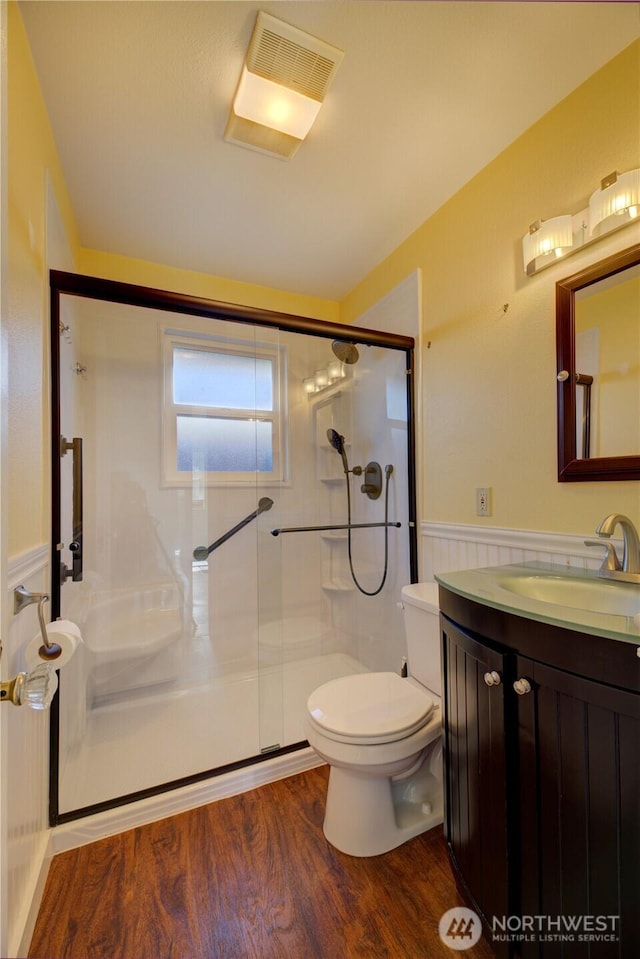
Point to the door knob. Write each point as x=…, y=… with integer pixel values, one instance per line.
x=522, y=687
x=492, y=678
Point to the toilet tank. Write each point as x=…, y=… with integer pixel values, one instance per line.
x=421, y=614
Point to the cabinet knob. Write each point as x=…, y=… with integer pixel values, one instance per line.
x=493, y=678
x=522, y=687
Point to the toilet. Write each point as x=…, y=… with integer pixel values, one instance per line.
x=381, y=735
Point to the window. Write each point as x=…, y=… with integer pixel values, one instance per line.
x=223, y=404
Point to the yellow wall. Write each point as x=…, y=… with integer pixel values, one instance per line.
x=31, y=153
x=128, y=270
x=489, y=395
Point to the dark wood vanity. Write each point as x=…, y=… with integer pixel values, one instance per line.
x=542, y=781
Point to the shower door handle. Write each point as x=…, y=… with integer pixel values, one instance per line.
x=75, y=446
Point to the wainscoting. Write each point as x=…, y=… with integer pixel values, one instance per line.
x=445, y=547
x=27, y=758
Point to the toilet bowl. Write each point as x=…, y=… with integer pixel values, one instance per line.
x=381, y=735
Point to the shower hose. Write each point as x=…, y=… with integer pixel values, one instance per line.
x=388, y=471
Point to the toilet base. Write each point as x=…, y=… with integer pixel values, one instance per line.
x=368, y=816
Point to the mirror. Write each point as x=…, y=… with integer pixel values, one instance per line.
x=598, y=353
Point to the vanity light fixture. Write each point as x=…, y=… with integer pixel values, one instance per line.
x=335, y=370
x=321, y=379
x=614, y=205
x=619, y=194
x=547, y=238
x=283, y=83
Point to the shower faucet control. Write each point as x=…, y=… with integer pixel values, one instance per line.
x=372, y=486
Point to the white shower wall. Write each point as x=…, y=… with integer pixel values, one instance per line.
x=253, y=578
x=159, y=526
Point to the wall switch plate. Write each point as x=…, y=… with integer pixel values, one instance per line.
x=483, y=501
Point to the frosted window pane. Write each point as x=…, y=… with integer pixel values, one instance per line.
x=215, y=445
x=229, y=380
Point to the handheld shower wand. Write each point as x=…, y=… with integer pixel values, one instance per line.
x=337, y=442
x=372, y=488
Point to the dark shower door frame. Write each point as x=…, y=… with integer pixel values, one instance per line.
x=114, y=291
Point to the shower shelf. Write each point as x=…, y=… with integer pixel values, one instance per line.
x=335, y=537
x=332, y=480
x=338, y=586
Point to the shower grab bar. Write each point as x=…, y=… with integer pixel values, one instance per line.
x=202, y=552
x=320, y=529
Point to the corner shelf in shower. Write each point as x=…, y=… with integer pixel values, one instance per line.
x=338, y=586
x=337, y=537
x=332, y=480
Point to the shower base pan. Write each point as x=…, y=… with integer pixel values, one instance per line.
x=214, y=725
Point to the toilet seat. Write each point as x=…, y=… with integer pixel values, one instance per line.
x=369, y=708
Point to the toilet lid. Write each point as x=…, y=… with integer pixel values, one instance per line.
x=376, y=707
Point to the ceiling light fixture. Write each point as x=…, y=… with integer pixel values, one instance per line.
x=614, y=205
x=284, y=80
x=274, y=106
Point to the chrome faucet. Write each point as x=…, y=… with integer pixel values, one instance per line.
x=629, y=571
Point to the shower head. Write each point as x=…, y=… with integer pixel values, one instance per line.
x=337, y=442
x=346, y=352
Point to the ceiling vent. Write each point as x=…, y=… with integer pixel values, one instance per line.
x=294, y=60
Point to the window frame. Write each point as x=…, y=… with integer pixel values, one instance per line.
x=274, y=353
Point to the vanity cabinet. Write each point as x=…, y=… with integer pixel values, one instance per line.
x=476, y=741
x=542, y=775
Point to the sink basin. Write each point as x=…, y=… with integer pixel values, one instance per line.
x=594, y=595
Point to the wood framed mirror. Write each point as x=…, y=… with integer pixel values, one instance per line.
x=598, y=367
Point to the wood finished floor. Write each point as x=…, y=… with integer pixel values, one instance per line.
x=250, y=877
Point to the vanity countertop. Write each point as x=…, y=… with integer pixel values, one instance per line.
x=517, y=589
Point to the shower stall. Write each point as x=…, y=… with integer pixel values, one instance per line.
x=233, y=519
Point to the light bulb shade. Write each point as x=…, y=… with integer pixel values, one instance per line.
x=275, y=106
x=321, y=378
x=619, y=193
x=39, y=687
x=554, y=236
x=309, y=385
x=335, y=370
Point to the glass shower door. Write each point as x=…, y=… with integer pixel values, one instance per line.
x=179, y=429
x=190, y=446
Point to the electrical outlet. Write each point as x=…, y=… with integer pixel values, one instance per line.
x=483, y=501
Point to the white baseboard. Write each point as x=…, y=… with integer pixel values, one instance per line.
x=22, y=926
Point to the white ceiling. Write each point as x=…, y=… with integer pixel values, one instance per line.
x=427, y=94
